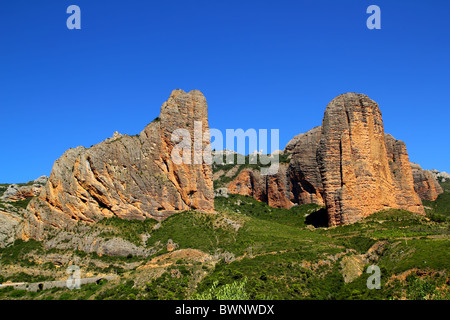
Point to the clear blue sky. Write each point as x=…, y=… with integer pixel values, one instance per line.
x=260, y=64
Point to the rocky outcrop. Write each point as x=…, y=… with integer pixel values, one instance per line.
x=292, y=143
x=221, y=192
x=10, y=227
x=426, y=186
x=130, y=177
x=401, y=171
x=16, y=192
x=272, y=189
x=41, y=180
x=348, y=164
x=90, y=241
x=353, y=158
x=297, y=182
x=303, y=173
x=440, y=176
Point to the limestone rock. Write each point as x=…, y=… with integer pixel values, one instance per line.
x=401, y=171
x=440, y=176
x=298, y=182
x=11, y=192
x=348, y=164
x=425, y=184
x=131, y=177
x=10, y=227
x=170, y=246
x=41, y=180
x=221, y=192
x=291, y=144
x=16, y=192
x=90, y=241
x=272, y=189
x=354, y=164
x=303, y=172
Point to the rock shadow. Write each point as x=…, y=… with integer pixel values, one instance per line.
x=318, y=219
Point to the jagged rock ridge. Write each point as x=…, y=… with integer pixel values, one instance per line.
x=131, y=177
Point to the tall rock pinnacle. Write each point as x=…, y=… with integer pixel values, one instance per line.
x=131, y=177
x=361, y=172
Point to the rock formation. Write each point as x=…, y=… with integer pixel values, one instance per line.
x=354, y=163
x=17, y=192
x=10, y=227
x=272, y=189
x=426, y=186
x=130, y=177
x=303, y=172
x=348, y=164
x=440, y=176
x=298, y=182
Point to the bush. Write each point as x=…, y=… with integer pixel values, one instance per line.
x=360, y=244
x=233, y=291
x=17, y=293
x=421, y=289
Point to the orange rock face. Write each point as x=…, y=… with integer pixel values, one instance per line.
x=348, y=164
x=298, y=182
x=131, y=177
x=354, y=163
x=272, y=189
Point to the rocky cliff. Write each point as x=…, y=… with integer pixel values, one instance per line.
x=304, y=175
x=425, y=184
x=130, y=177
x=348, y=164
x=10, y=227
x=272, y=189
x=440, y=176
x=354, y=163
x=296, y=182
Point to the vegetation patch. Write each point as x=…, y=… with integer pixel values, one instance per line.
x=130, y=230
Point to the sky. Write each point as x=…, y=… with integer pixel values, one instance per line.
x=260, y=64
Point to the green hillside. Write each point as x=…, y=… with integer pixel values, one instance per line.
x=267, y=253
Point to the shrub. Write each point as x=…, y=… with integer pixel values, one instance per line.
x=18, y=293
x=233, y=291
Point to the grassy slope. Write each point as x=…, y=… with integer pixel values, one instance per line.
x=411, y=244
x=276, y=251
x=441, y=206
